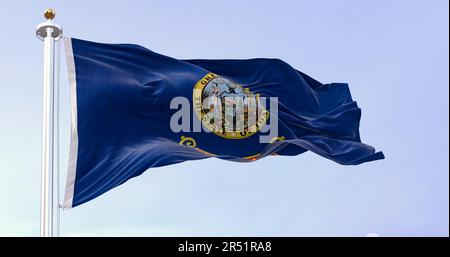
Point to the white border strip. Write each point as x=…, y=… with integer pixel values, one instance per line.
x=73, y=156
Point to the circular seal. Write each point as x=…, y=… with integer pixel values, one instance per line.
x=228, y=109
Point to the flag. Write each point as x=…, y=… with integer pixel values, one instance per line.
x=134, y=109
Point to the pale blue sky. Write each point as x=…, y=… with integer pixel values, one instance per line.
x=394, y=54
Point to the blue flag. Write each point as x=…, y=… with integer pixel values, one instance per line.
x=134, y=109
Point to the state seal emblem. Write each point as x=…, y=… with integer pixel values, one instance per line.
x=227, y=108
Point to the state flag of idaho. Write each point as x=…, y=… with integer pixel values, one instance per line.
x=134, y=109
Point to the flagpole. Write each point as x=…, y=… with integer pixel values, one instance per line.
x=49, y=33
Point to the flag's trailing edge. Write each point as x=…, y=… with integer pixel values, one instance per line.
x=121, y=111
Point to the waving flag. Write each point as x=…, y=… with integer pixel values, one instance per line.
x=126, y=106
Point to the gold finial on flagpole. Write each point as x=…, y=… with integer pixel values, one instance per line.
x=49, y=14
x=42, y=29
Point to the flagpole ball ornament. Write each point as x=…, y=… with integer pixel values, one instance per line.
x=49, y=14
x=49, y=27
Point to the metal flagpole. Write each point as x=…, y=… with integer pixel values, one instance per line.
x=57, y=113
x=49, y=33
